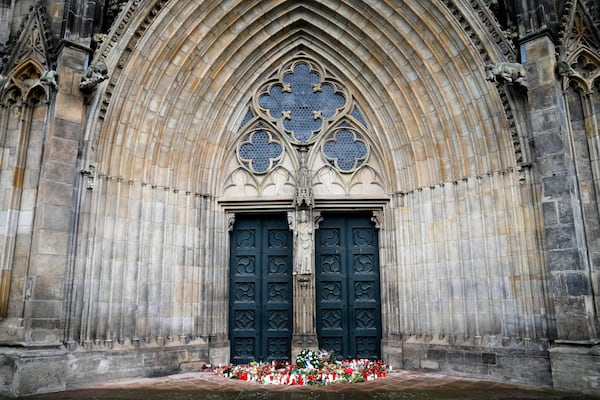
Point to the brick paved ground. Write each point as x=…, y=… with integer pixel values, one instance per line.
x=399, y=385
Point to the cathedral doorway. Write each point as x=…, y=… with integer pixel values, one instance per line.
x=304, y=146
x=347, y=286
x=260, y=288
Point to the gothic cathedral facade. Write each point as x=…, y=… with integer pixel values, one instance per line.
x=194, y=182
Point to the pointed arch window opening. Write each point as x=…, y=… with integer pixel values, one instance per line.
x=304, y=106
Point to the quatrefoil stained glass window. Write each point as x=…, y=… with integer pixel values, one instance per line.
x=260, y=151
x=303, y=105
x=345, y=150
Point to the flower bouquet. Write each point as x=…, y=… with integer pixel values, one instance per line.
x=311, y=368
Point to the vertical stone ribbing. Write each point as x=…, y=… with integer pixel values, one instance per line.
x=389, y=310
x=465, y=273
x=593, y=122
x=112, y=268
x=145, y=268
x=462, y=260
x=101, y=283
x=210, y=275
x=15, y=135
x=139, y=320
x=471, y=245
x=446, y=295
x=203, y=323
x=130, y=273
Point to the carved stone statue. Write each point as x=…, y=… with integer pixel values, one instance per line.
x=96, y=73
x=513, y=73
x=304, y=243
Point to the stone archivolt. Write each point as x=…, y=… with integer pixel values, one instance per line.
x=410, y=92
x=425, y=127
x=437, y=141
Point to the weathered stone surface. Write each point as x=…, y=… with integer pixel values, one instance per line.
x=576, y=368
x=30, y=371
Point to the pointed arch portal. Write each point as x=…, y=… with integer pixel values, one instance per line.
x=218, y=112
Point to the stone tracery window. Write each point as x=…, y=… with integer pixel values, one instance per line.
x=303, y=105
x=260, y=150
x=344, y=149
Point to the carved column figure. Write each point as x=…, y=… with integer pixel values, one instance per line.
x=302, y=222
x=304, y=243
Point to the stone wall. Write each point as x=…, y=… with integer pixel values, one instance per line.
x=50, y=369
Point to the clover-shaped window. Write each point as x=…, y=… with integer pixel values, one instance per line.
x=260, y=151
x=345, y=150
x=303, y=105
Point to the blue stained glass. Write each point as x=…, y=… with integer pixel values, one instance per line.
x=260, y=152
x=302, y=100
x=356, y=114
x=247, y=118
x=345, y=150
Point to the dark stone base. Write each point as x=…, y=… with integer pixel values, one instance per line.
x=218, y=350
x=27, y=371
x=499, y=359
x=301, y=342
x=576, y=367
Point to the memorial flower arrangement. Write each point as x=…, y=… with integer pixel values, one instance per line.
x=310, y=368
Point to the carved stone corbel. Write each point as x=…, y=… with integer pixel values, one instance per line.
x=230, y=221
x=96, y=73
x=377, y=218
x=512, y=73
x=49, y=78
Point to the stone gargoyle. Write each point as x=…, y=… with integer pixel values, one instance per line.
x=49, y=77
x=513, y=73
x=96, y=73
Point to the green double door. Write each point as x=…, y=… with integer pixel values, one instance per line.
x=348, y=317
x=347, y=286
x=260, y=289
